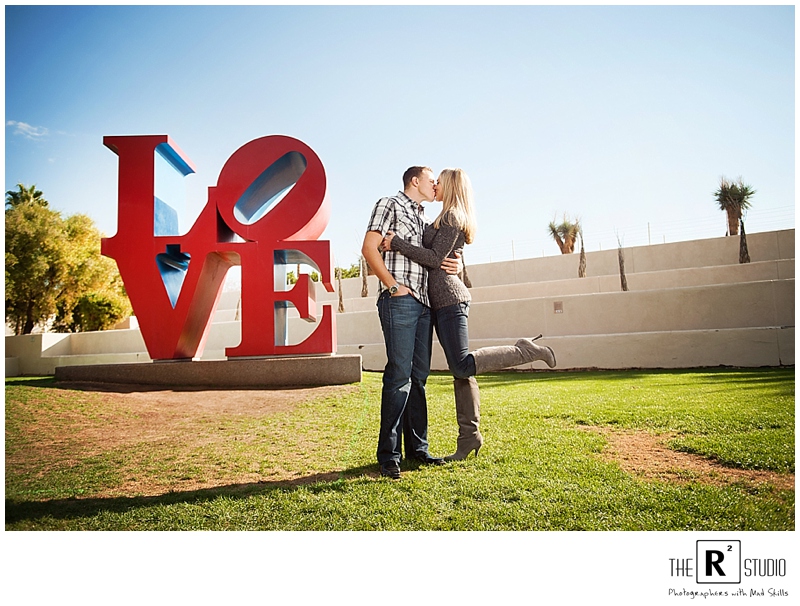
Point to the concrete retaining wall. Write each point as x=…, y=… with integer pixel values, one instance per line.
x=689, y=304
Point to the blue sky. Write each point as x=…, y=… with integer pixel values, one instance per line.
x=623, y=116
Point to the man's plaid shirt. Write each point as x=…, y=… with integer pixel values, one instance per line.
x=407, y=220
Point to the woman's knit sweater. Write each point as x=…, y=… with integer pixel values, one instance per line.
x=443, y=289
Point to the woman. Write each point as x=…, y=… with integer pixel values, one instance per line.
x=450, y=299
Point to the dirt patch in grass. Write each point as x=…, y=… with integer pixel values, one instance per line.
x=175, y=423
x=646, y=456
x=141, y=414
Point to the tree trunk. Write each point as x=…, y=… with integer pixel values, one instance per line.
x=733, y=222
x=339, y=283
x=363, y=270
x=582, y=263
x=29, y=323
x=744, y=254
x=560, y=244
x=623, y=280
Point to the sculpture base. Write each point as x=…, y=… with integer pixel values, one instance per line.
x=250, y=373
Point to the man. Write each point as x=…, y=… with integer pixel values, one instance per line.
x=405, y=317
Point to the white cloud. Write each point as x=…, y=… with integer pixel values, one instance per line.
x=28, y=131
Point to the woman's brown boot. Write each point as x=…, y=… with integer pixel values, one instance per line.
x=488, y=359
x=468, y=416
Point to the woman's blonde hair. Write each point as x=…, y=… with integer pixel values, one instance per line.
x=458, y=207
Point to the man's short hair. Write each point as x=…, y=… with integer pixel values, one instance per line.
x=414, y=171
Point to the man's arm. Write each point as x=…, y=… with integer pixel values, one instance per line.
x=372, y=240
x=453, y=266
x=431, y=257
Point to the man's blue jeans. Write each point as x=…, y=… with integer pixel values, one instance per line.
x=453, y=334
x=408, y=333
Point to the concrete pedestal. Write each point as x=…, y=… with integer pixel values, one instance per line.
x=263, y=373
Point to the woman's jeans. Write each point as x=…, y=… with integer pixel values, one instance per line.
x=453, y=334
x=408, y=334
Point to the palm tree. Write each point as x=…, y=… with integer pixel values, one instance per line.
x=733, y=198
x=30, y=194
x=565, y=234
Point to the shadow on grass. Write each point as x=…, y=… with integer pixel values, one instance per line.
x=75, y=508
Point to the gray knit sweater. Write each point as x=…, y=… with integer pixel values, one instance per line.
x=443, y=289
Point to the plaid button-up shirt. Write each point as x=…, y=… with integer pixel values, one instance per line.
x=407, y=220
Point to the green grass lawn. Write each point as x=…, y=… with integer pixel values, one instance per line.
x=312, y=466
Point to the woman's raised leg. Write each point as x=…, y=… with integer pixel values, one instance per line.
x=488, y=359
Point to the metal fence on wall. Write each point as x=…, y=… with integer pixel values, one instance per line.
x=663, y=232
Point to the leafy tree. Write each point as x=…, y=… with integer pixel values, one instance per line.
x=95, y=311
x=291, y=277
x=35, y=264
x=733, y=198
x=351, y=272
x=93, y=296
x=565, y=234
x=354, y=271
x=54, y=269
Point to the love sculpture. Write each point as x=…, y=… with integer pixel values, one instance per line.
x=266, y=212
